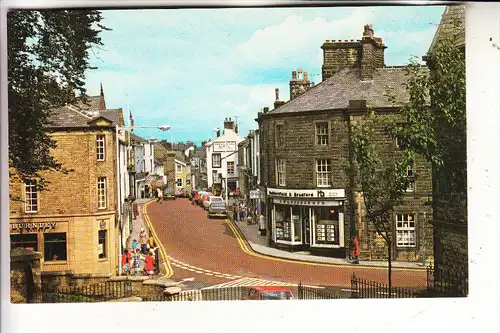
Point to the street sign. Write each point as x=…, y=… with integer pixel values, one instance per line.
x=254, y=194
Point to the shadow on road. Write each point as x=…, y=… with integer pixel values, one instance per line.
x=227, y=230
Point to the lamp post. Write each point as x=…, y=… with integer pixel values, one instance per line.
x=119, y=198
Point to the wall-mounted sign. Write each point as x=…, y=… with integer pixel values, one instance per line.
x=231, y=145
x=254, y=194
x=317, y=193
x=219, y=146
x=32, y=226
x=316, y=203
x=102, y=224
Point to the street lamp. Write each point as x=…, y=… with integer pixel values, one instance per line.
x=163, y=128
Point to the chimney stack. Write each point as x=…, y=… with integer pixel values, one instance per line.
x=299, y=84
x=266, y=110
x=277, y=103
x=372, y=54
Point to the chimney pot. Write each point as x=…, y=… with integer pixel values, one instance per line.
x=306, y=76
x=277, y=93
x=294, y=75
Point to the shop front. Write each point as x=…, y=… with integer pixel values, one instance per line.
x=308, y=220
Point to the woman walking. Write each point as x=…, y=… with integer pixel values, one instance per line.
x=143, y=240
x=149, y=264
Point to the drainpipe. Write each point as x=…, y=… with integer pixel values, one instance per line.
x=118, y=201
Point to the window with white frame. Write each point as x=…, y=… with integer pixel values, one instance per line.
x=405, y=230
x=280, y=172
x=322, y=134
x=101, y=192
x=30, y=196
x=323, y=172
x=280, y=135
x=215, y=177
x=216, y=160
x=179, y=168
x=179, y=182
x=101, y=147
x=410, y=174
x=230, y=167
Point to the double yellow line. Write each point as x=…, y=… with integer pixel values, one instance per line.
x=244, y=246
x=168, y=268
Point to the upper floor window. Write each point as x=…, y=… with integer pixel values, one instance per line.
x=216, y=160
x=410, y=174
x=280, y=135
x=30, y=196
x=405, y=230
x=101, y=193
x=230, y=168
x=101, y=147
x=322, y=133
x=215, y=177
x=178, y=168
x=280, y=171
x=323, y=172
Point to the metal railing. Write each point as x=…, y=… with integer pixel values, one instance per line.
x=447, y=282
x=98, y=292
x=361, y=288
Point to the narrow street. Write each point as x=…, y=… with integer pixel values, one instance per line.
x=209, y=251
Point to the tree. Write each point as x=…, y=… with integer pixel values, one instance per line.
x=382, y=175
x=48, y=54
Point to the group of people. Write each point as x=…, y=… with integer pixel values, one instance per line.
x=241, y=213
x=131, y=260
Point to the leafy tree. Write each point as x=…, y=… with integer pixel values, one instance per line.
x=382, y=175
x=48, y=54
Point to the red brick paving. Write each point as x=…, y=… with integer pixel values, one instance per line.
x=189, y=236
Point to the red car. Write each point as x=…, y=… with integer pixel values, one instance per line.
x=269, y=293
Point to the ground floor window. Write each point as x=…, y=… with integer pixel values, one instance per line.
x=27, y=241
x=327, y=229
x=179, y=182
x=297, y=224
x=283, y=223
x=54, y=246
x=405, y=230
x=102, y=244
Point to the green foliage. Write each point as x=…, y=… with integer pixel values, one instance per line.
x=382, y=171
x=48, y=54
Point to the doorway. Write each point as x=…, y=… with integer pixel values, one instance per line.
x=306, y=223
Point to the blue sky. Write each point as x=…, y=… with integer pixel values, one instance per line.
x=191, y=68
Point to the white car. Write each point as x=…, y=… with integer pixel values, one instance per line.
x=210, y=199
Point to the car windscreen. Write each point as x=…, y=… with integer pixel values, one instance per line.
x=268, y=295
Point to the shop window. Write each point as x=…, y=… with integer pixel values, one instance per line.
x=54, y=246
x=27, y=241
x=230, y=168
x=405, y=230
x=410, y=174
x=179, y=182
x=322, y=134
x=327, y=225
x=283, y=223
x=216, y=160
x=30, y=196
x=297, y=224
x=101, y=147
x=102, y=244
x=280, y=171
x=101, y=192
x=323, y=172
x=280, y=136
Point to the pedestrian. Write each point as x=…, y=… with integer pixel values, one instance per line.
x=126, y=257
x=355, y=250
x=159, y=194
x=143, y=240
x=135, y=245
x=135, y=207
x=137, y=261
x=151, y=242
x=235, y=212
x=262, y=225
x=149, y=268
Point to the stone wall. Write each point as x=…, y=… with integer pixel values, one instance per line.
x=25, y=278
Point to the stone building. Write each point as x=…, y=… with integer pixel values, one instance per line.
x=311, y=196
x=73, y=223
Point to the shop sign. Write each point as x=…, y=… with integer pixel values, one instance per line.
x=322, y=193
x=306, y=202
x=220, y=146
x=102, y=224
x=231, y=145
x=33, y=226
x=254, y=194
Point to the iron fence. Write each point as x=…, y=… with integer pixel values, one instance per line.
x=361, y=288
x=315, y=293
x=98, y=292
x=447, y=282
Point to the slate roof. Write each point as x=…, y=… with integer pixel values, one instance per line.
x=452, y=15
x=137, y=138
x=336, y=91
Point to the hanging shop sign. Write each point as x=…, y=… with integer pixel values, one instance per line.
x=315, y=203
x=317, y=193
x=254, y=194
x=32, y=226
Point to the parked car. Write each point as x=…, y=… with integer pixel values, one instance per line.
x=217, y=207
x=168, y=193
x=269, y=293
x=208, y=200
x=181, y=193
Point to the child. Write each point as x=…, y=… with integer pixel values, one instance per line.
x=134, y=245
x=137, y=261
x=149, y=267
x=126, y=257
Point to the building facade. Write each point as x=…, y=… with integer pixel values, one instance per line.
x=144, y=165
x=74, y=223
x=222, y=158
x=312, y=199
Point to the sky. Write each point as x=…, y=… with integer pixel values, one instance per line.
x=192, y=68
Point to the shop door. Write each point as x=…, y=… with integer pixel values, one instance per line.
x=306, y=235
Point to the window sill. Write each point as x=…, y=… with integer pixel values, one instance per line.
x=324, y=186
x=56, y=262
x=103, y=259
